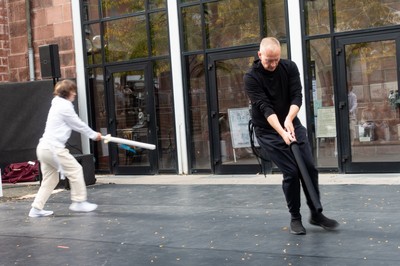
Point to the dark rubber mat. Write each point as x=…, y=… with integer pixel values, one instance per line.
x=203, y=225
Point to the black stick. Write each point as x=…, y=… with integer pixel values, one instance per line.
x=294, y=146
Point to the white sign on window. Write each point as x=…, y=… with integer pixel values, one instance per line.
x=239, y=125
x=326, y=122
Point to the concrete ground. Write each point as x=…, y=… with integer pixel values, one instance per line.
x=203, y=220
x=28, y=190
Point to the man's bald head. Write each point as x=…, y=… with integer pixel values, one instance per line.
x=270, y=53
x=270, y=43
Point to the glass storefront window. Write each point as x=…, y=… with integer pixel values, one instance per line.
x=192, y=32
x=199, y=132
x=159, y=33
x=165, y=115
x=231, y=23
x=130, y=108
x=90, y=9
x=275, y=21
x=125, y=39
x=93, y=44
x=98, y=99
x=372, y=76
x=322, y=101
x=355, y=15
x=233, y=105
x=139, y=30
x=317, y=17
x=114, y=8
x=154, y=4
x=284, y=50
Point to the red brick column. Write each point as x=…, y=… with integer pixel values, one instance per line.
x=4, y=42
x=52, y=24
x=18, y=57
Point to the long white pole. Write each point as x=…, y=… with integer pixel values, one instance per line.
x=133, y=143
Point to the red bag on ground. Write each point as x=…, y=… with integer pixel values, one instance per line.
x=21, y=172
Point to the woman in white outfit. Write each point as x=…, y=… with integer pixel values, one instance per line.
x=55, y=159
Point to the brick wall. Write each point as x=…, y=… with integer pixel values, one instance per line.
x=18, y=56
x=4, y=42
x=51, y=23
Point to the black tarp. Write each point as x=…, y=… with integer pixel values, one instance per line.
x=23, y=108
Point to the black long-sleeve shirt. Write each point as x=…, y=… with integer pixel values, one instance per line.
x=273, y=92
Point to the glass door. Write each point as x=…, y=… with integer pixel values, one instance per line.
x=131, y=117
x=368, y=102
x=230, y=114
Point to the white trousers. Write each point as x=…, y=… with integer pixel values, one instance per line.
x=50, y=161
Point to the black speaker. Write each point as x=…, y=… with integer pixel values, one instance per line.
x=49, y=61
x=87, y=162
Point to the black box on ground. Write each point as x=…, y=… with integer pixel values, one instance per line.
x=87, y=162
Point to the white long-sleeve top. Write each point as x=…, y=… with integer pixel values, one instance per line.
x=61, y=120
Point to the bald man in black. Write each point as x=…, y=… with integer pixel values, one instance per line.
x=274, y=88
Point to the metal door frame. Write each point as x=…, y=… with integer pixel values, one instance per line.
x=344, y=145
x=213, y=109
x=152, y=132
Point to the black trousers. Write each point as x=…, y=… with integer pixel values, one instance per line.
x=281, y=155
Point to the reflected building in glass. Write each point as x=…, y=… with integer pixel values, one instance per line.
x=193, y=54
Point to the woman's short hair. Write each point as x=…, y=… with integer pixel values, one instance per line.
x=64, y=88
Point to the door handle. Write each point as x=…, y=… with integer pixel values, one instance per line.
x=143, y=117
x=342, y=105
x=213, y=114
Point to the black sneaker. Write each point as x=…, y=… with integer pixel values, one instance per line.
x=319, y=219
x=296, y=227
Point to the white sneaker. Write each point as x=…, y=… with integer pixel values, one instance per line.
x=83, y=206
x=39, y=213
